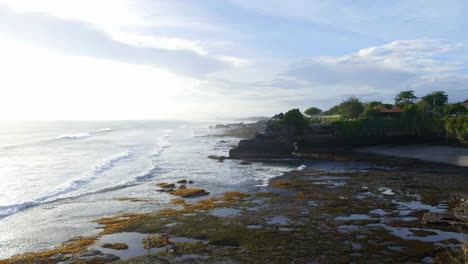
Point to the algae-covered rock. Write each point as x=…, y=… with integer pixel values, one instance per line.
x=166, y=185
x=189, y=192
x=116, y=246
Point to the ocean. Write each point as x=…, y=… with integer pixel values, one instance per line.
x=56, y=177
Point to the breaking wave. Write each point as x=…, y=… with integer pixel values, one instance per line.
x=68, y=189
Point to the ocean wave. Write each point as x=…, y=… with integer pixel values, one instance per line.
x=162, y=143
x=67, y=188
x=302, y=167
x=105, y=130
x=83, y=135
x=74, y=136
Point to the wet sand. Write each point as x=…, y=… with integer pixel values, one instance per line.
x=445, y=154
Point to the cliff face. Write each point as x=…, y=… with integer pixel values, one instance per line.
x=263, y=146
x=278, y=140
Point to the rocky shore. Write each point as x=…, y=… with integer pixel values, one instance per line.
x=339, y=207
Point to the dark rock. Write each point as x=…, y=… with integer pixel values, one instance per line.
x=90, y=253
x=183, y=186
x=263, y=146
x=237, y=125
x=218, y=158
x=443, y=219
x=245, y=163
x=166, y=190
x=182, y=181
x=190, y=182
x=220, y=126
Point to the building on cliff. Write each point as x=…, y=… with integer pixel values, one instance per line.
x=385, y=112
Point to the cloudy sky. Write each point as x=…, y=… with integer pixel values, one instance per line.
x=150, y=59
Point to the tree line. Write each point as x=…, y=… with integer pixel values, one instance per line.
x=435, y=103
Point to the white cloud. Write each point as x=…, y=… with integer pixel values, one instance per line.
x=391, y=66
x=40, y=84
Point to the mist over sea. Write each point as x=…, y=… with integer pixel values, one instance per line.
x=56, y=177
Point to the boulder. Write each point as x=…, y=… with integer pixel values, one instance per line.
x=182, y=181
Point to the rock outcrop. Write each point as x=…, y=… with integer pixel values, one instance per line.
x=188, y=193
x=263, y=146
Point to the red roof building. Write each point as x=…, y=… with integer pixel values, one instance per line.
x=381, y=109
x=395, y=111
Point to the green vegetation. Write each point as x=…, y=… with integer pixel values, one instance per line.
x=405, y=98
x=457, y=126
x=295, y=121
x=351, y=108
x=370, y=112
x=335, y=110
x=313, y=111
x=455, y=109
x=436, y=99
x=431, y=117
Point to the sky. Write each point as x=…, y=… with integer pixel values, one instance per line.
x=198, y=60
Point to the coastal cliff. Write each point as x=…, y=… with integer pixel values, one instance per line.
x=280, y=139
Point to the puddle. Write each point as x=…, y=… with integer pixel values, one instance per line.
x=386, y=191
x=348, y=228
x=405, y=233
x=171, y=224
x=396, y=248
x=354, y=217
x=332, y=183
x=378, y=212
x=408, y=207
x=356, y=246
x=312, y=203
x=328, y=178
x=188, y=257
x=427, y=260
x=225, y=212
x=285, y=229
x=133, y=240
x=278, y=220
x=254, y=226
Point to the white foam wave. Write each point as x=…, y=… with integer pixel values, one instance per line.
x=67, y=188
x=302, y=167
x=74, y=136
x=105, y=129
x=162, y=143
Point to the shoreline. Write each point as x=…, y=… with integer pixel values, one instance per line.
x=293, y=188
x=454, y=155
